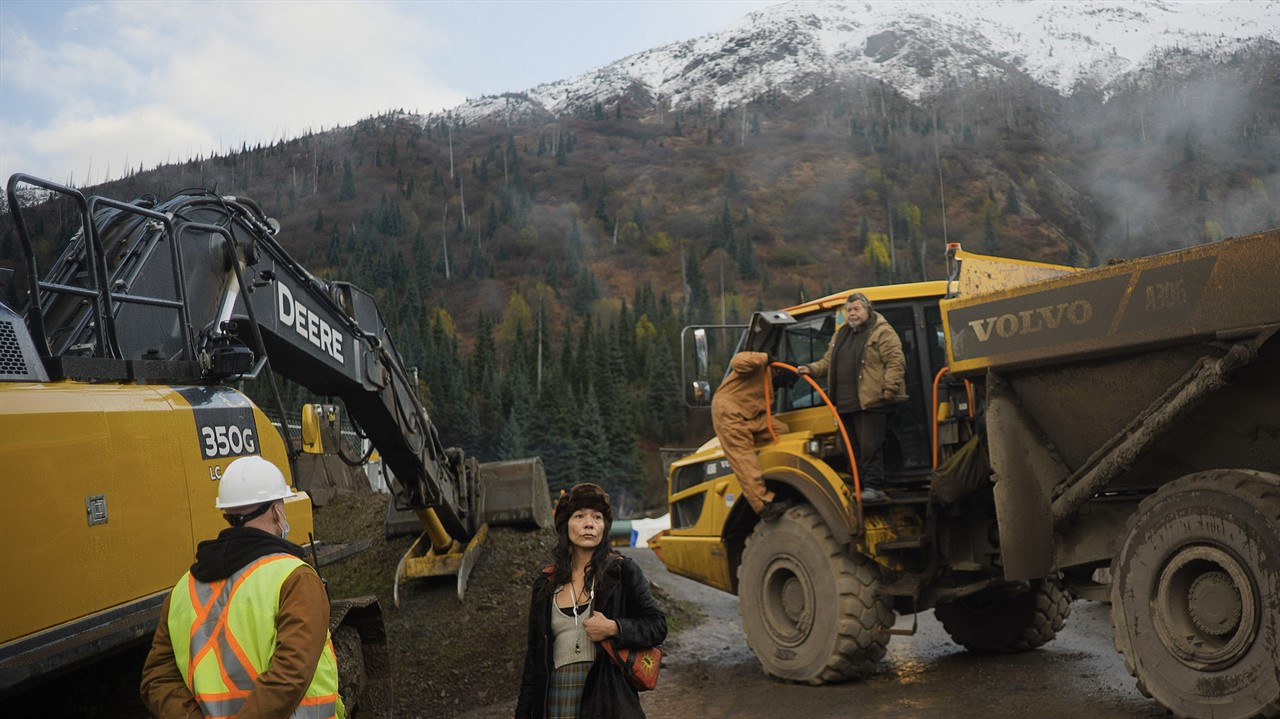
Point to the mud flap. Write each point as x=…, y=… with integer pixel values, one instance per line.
x=1025, y=472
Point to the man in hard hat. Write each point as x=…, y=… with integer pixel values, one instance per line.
x=245, y=632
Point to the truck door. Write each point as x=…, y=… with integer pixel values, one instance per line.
x=919, y=326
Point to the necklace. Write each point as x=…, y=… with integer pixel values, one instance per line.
x=577, y=622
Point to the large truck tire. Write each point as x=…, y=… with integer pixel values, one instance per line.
x=992, y=622
x=810, y=610
x=1193, y=595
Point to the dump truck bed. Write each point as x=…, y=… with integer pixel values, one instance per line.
x=1103, y=385
x=1210, y=292
x=1096, y=355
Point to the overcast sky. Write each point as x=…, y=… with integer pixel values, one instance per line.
x=87, y=88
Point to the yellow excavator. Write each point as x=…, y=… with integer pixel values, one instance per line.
x=119, y=412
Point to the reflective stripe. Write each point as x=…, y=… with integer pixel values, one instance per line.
x=219, y=709
x=317, y=708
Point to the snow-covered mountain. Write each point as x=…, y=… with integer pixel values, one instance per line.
x=917, y=46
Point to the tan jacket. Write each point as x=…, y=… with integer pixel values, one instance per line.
x=741, y=396
x=883, y=365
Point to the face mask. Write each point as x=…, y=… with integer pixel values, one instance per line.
x=284, y=533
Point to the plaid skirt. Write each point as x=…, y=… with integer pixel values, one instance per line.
x=565, y=697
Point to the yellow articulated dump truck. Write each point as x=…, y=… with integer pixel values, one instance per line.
x=119, y=413
x=1058, y=423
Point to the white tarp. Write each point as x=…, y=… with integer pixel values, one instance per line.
x=642, y=529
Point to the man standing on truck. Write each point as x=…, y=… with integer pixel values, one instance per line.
x=246, y=631
x=866, y=366
x=739, y=417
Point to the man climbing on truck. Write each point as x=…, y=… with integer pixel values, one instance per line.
x=740, y=420
x=246, y=631
x=866, y=366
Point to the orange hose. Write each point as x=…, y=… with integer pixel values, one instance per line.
x=768, y=406
x=936, y=379
x=968, y=388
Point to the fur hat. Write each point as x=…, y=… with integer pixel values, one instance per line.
x=583, y=496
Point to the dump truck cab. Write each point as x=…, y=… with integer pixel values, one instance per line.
x=710, y=520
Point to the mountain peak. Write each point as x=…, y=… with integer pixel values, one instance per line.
x=919, y=47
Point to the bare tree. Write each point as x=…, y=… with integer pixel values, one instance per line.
x=444, y=237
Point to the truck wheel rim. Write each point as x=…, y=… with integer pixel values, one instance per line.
x=1206, y=608
x=788, y=601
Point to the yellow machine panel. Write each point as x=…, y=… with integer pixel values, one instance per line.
x=701, y=558
x=107, y=496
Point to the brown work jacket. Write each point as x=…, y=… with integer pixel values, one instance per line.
x=883, y=365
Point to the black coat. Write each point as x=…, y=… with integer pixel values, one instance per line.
x=622, y=594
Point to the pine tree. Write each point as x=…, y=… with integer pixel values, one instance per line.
x=747, y=268
x=553, y=434
x=1012, y=206
x=334, y=255
x=580, y=374
x=513, y=443
x=590, y=448
x=697, y=301
x=664, y=409
x=348, y=188
x=615, y=408
x=574, y=251
x=1073, y=255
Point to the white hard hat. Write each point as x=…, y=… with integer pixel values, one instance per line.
x=250, y=481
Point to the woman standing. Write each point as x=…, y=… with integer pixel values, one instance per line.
x=588, y=594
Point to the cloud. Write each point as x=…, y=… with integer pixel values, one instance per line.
x=159, y=82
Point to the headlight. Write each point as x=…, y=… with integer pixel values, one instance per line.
x=813, y=447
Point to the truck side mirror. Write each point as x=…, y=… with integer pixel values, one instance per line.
x=700, y=352
x=701, y=392
x=321, y=428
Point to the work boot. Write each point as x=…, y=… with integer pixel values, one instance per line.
x=871, y=495
x=775, y=509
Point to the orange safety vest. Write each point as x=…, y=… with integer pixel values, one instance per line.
x=224, y=634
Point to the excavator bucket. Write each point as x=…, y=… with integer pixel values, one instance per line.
x=422, y=560
x=510, y=493
x=515, y=493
